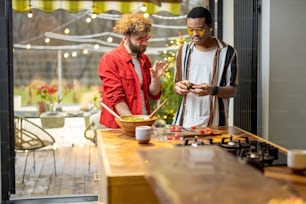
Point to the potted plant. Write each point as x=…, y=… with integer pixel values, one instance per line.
x=47, y=96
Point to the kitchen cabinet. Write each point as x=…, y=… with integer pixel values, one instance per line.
x=121, y=171
x=127, y=178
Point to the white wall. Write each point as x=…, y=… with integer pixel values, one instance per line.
x=228, y=37
x=284, y=72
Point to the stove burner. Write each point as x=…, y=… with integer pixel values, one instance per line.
x=258, y=154
x=230, y=143
x=195, y=142
x=261, y=154
x=252, y=154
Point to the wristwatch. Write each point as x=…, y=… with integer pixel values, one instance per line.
x=215, y=91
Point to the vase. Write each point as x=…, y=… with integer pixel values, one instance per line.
x=42, y=107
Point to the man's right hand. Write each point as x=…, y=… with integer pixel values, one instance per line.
x=182, y=87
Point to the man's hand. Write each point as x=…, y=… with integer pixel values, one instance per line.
x=158, y=69
x=183, y=87
x=202, y=89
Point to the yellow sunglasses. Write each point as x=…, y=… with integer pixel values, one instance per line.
x=198, y=31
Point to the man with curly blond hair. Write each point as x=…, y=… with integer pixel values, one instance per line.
x=128, y=80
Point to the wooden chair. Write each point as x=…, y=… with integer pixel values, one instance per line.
x=30, y=137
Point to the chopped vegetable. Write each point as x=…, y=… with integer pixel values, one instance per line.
x=133, y=118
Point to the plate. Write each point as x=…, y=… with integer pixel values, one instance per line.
x=51, y=113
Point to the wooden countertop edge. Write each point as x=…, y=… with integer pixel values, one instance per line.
x=105, y=160
x=262, y=139
x=283, y=173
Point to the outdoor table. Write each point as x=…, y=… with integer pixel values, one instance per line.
x=52, y=119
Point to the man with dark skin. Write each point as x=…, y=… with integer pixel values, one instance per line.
x=206, y=74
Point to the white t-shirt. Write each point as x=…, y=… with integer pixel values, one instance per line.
x=200, y=71
x=138, y=71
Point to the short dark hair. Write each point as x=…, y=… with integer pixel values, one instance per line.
x=200, y=12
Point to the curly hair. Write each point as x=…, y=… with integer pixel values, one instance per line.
x=133, y=23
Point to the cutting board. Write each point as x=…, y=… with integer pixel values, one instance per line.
x=191, y=133
x=285, y=173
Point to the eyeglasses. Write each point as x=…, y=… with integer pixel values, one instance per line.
x=143, y=39
x=198, y=31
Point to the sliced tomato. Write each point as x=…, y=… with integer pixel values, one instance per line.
x=172, y=128
x=178, y=128
x=193, y=127
x=169, y=137
x=202, y=131
x=176, y=136
x=209, y=132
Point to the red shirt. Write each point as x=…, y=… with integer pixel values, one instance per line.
x=120, y=83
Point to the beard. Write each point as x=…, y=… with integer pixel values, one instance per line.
x=137, y=49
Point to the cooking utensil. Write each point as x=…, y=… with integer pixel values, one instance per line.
x=111, y=111
x=157, y=109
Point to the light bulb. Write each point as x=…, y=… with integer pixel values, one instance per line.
x=47, y=40
x=85, y=51
x=74, y=54
x=96, y=46
x=30, y=14
x=88, y=20
x=143, y=8
x=93, y=16
x=66, y=31
x=66, y=54
x=110, y=39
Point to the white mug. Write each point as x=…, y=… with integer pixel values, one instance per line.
x=296, y=160
x=143, y=134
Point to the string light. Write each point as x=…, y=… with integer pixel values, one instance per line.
x=96, y=46
x=74, y=54
x=30, y=14
x=110, y=39
x=66, y=55
x=146, y=15
x=143, y=8
x=85, y=51
x=88, y=20
x=93, y=16
x=66, y=31
x=47, y=40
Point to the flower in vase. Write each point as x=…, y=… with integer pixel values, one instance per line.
x=47, y=93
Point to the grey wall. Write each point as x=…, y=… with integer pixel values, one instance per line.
x=284, y=66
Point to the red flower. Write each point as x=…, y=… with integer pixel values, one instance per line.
x=47, y=92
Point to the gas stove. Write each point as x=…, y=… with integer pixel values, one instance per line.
x=258, y=154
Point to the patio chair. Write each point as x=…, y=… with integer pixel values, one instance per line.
x=30, y=137
x=90, y=132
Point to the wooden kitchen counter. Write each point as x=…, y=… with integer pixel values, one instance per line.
x=123, y=172
x=121, y=169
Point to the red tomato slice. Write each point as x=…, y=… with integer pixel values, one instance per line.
x=172, y=128
x=178, y=128
x=176, y=136
x=209, y=132
x=193, y=127
x=169, y=137
x=202, y=131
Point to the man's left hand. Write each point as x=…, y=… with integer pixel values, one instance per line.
x=158, y=69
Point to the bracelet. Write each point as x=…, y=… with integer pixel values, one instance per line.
x=215, y=91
